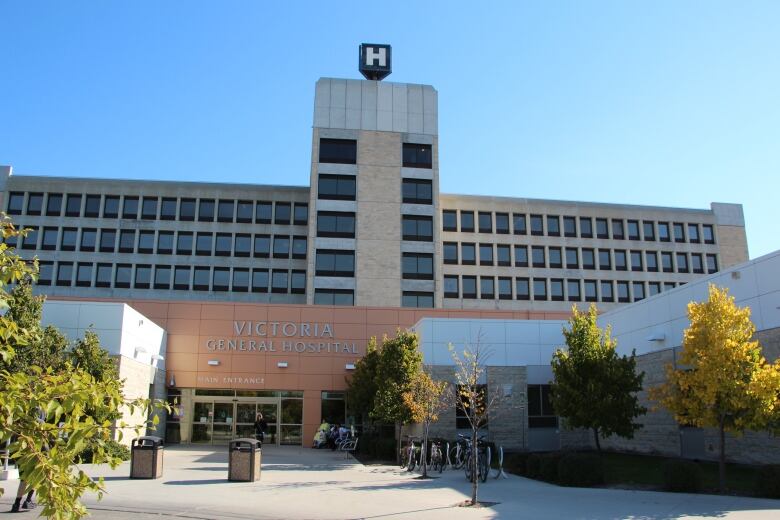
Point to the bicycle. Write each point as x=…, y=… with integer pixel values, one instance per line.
x=482, y=455
x=437, y=459
x=409, y=454
x=457, y=455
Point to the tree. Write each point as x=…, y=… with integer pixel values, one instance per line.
x=593, y=387
x=361, y=385
x=426, y=399
x=723, y=381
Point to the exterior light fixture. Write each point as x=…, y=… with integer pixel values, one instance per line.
x=282, y=364
x=350, y=366
x=213, y=362
x=158, y=357
x=656, y=336
x=172, y=382
x=141, y=350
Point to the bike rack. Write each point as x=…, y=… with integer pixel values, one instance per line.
x=447, y=451
x=500, y=471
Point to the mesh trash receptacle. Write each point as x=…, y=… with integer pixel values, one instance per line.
x=146, y=457
x=244, y=460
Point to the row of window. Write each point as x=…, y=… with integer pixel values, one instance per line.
x=163, y=242
x=578, y=258
x=344, y=187
x=347, y=297
x=344, y=151
x=341, y=224
x=178, y=277
x=157, y=208
x=583, y=227
x=555, y=289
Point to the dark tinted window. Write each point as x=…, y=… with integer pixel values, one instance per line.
x=282, y=213
x=299, y=247
x=335, y=263
x=417, y=228
x=187, y=209
x=223, y=244
x=334, y=297
x=184, y=243
x=123, y=275
x=92, y=206
x=168, y=209
x=149, y=208
x=417, y=266
x=569, y=226
x=244, y=211
x=165, y=242
x=103, y=275
x=633, y=230
x=225, y=210
x=262, y=247
x=451, y=287
x=301, y=214
x=485, y=222
x=73, y=205
x=145, y=241
x=281, y=246
x=586, y=227
x=467, y=221
x=243, y=244
x=130, y=207
x=522, y=290
x=201, y=280
x=518, y=220
x=449, y=220
x=343, y=151
x=553, y=225
x=417, y=155
x=537, y=225
x=54, y=205
x=15, y=203
x=259, y=280
x=127, y=240
x=68, y=241
x=502, y=223
x=88, y=239
x=417, y=191
x=335, y=224
x=521, y=256
x=206, y=210
x=34, y=203
x=263, y=212
x=468, y=254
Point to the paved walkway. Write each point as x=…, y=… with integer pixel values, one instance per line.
x=299, y=483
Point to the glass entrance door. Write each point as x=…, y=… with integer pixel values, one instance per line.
x=218, y=422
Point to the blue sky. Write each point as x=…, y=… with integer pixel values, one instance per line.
x=664, y=103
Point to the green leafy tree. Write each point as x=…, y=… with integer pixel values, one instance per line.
x=723, y=381
x=361, y=385
x=593, y=386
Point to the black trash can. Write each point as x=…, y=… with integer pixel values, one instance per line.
x=146, y=457
x=244, y=460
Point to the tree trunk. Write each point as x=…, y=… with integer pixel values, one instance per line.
x=399, y=428
x=424, y=451
x=596, y=437
x=722, y=459
x=474, y=453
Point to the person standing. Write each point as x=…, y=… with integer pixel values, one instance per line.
x=260, y=427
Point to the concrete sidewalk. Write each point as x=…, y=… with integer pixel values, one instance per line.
x=301, y=483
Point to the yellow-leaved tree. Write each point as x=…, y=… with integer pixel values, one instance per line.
x=427, y=399
x=722, y=380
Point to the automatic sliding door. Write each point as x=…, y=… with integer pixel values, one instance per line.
x=201, y=422
x=223, y=423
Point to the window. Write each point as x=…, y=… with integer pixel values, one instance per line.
x=502, y=223
x=181, y=277
x=417, y=299
x=223, y=244
x=537, y=256
x=522, y=290
x=540, y=288
x=341, y=151
x=669, y=285
x=73, y=205
x=301, y=214
x=504, y=288
x=449, y=220
x=648, y=230
x=712, y=264
x=607, y=294
x=586, y=227
x=555, y=257
x=604, y=260
x=279, y=280
x=143, y=276
x=34, y=203
x=243, y=245
x=111, y=206
x=54, y=205
x=202, y=279
x=540, y=409
x=617, y=229
x=485, y=222
x=417, y=228
x=187, y=210
x=165, y=242
x=49, y=239
x=88, y=239
x=149, y=208
x=518, y=224
x=226, y=210
x=553, y=226
x=298, y=247
x=679, y=232
x=417, y=155
x=537, y=225
x=184, y=243
x=462, y=406
x=601, y=228
x=485, y=254
x=334, y=297
x=633, y=229
x=84, y=274
x=469, y=287
x=15, y=203
x=107, y=240
x=693, y=233
x=651, y=259
x=262, y=247
x=297, y=282
x=123, y=275
x=450, y=252
x=451, y=286
x=220, y=280
x=556, y=289
x=663, y=231
x=92, y=206
x=521, y=256
x=573, y=290
x=244, y=211
x=569, y=227
x=590, y=290
x=588, y=260
x=708, y=234
x=282, y=213
x=572, y=260
x=206, y=210
x=334, y=263
x=468, y=254
x=162, y=277
x=622, y=292
x=259, y=280
x=636, y=260
x=31, y=240
x=103, y=275
x=638, y=288
x=486, y=288
x=130, y=208
x=666, y=262
x=146, y=241
x=64, y=273
x=417, y=266
x=620, y=260
x=653, y=288
x=417, y=191
x=263, y=212
x=281, y=246
x=203, y=244
x=467, y=221
x=682, y=263
x=336, y=224
x=168, y=209
x=503, y=255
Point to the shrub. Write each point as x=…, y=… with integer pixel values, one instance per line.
x=533, y=465
x=769, y=481
x=376, y=447
x=580, y=470
x=682, y=476
x=548, y=468
x=112, y=448
x=516, y=463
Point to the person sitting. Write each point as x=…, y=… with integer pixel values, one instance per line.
x=321, y=435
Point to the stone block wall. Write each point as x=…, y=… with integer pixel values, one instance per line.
x=137, y=378
x=507, y=388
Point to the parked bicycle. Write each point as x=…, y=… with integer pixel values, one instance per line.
x=457, y=455
x=479, y=456
x=437, y=457
x=410, y=454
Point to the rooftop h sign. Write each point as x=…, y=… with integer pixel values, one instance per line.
x=375, y=61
